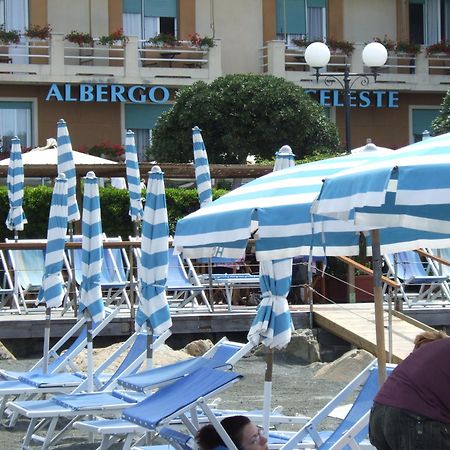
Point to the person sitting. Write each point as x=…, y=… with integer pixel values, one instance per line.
x=412, y=409
x=242, y=431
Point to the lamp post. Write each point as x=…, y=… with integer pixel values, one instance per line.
x=374, y=55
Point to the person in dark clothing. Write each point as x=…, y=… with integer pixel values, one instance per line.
x=412, y=409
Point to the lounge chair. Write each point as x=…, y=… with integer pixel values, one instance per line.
x=417, y=284
x=7, y=293
x=352, y=430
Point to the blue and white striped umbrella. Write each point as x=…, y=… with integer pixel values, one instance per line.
x=91, y=298
x=51, y=291
x=133, y=177
x=277, y=205
x=284, y=158
x=153, y=310
x=202, y=175
x=15, y=180
x=409, y=189
x=66, y=165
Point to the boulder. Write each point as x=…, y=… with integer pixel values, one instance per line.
x=198, y=348
x=303, y=346
x=5, y=353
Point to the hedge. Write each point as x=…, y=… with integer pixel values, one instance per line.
x=114, y=205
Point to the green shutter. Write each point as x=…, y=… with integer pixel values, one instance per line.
x=291, y=16
x=317, y=3
x=15, y=105
x=422, y=119
x=143, y=116
x=160, y=8
x=417, y=2
x=131, y=6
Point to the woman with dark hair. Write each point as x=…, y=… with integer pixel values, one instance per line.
x=242, y=431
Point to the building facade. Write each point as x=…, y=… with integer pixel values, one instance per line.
x=102, y=90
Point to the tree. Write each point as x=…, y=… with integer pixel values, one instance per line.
x=242, y=115
x=442, y=122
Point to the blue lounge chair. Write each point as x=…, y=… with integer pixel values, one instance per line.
x=7, y=293
x=418, y=285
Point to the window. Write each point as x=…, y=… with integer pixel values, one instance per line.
x=147, y=18
x=15, y=120
x=141, y=119
x=421, y=121
x=429, y=21
x=299, y=18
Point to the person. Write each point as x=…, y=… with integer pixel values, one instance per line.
x=412, y=409
x=242, y=431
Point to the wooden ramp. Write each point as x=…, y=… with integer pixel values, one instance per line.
x=355, y=323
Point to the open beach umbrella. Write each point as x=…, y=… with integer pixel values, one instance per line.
x=51, y=291
x=409, y=188
x=153, y=311
x=133, y=178
x=91, y=299
x=15, y=180
x=202, y=174
x=284, y=158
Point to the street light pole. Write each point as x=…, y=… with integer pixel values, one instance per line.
x=317, y=55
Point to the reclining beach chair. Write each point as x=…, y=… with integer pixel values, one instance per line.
x=418, y=285
x=352, y=430
x=7, y=293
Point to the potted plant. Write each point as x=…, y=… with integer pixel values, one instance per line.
x=201, y=42
x=80, y=38
x=409, y=48
x=163, y=40
x=113, y=152
x=38, y=32
x=9, y=36
x=116, y=37
x=344, y=47
x=442, y=47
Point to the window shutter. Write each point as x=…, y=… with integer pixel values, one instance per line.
x=131, y=6
x=143, y=116
x=160, y=8
x=291, y=16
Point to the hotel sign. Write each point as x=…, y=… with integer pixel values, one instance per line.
x=107, y=93
x=358, y=99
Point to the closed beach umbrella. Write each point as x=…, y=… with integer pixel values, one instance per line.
x=15, y=180
x=133, y=177
x=409, y=189
x=91, y=300
x=51, y=291
x=153, y=311
x=284, y=158
x=202, y=174
x=66, y=165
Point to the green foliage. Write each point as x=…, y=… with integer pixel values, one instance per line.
x=114, y=205
x=241, y=115
x=441, y=124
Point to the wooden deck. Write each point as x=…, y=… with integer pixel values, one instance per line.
x=356, y=324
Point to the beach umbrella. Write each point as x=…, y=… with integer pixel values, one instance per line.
x=202, y=174
x=153, y=311
x=410, y=189
x=133, y=178
x=15, y=180
x=284, y=158
x=91, y=299
x=51, y=291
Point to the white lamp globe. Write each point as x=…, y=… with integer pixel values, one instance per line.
x=317, y=55
x=374, y=54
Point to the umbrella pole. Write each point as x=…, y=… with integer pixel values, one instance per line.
x=72, y=289
x=378, y=300
x=90, y=351
x=16, y=279
x=211, y=299
x=149, y=347
x=48, y=313
x=268, y=391
x=131, y=259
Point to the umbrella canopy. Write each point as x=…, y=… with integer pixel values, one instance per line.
x=51, y=291
x=284, y=158
x=153, y=310
x=16, y=218
x=277, y=205
x=202, y=175
x=91, y=299
x=66, y=165
x=133, y=177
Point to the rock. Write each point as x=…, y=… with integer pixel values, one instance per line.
x=344, y=368
x=5, y=353
x=198, y=348
x=303, y=346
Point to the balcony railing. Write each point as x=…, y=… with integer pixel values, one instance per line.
x=401, y=72
x=57, y=60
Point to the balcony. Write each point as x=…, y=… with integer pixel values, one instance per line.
x=401, y=72
x=59, y=61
